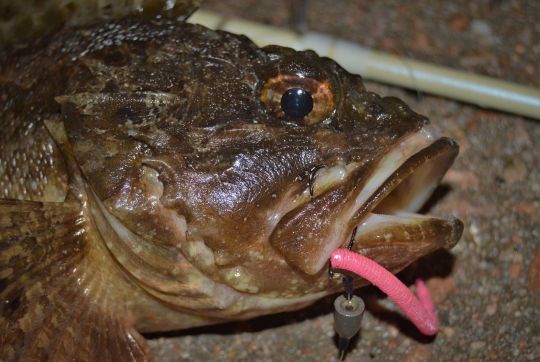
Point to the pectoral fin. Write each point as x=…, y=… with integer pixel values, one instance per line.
x=54, y=303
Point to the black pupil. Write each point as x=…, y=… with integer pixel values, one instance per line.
x=296, y=102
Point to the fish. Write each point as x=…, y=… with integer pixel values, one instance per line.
x=157, y=175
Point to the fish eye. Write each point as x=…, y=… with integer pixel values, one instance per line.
x=296, y=102
x=300, y=99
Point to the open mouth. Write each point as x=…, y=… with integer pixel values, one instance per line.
x=381, y=202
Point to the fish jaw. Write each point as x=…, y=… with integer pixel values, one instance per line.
x=397, y=240
x=379, y=199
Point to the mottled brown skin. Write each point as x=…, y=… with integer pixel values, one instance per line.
x=24, y=20
x=160, y=187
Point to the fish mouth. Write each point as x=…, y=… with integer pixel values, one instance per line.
x=380, y=202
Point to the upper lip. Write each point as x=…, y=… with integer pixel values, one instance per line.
x=435, y=159
x=417, y=164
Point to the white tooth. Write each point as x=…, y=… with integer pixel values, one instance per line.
x=430, y=133
x=374, y=220
x=329, y=176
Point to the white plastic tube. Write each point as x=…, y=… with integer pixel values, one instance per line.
x=467, y=87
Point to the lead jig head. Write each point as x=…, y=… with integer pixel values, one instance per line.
x=348, y=313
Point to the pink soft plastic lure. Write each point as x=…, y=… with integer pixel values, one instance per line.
x=418, y=308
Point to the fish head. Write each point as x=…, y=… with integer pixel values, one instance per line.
x=224, y=168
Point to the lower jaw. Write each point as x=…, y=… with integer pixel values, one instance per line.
x=397, y=240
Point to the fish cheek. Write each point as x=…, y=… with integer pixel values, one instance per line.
x=139, y=206
x=302, y=236
x=231, y=245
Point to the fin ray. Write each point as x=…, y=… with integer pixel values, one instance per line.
x=52, y=304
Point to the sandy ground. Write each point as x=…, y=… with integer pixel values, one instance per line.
x=487, y=289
